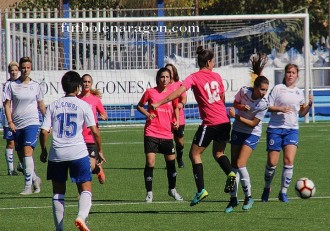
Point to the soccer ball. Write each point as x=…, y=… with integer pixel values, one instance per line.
x=305, y=188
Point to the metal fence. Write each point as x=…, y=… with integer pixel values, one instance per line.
x=60, y=46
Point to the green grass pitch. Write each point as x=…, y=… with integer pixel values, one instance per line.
x=119, y=203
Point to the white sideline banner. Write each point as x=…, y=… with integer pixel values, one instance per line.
x=122, y=87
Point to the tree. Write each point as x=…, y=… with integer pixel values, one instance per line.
x=318, y=9
x=74, y=4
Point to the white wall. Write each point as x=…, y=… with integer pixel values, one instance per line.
x=127, y=86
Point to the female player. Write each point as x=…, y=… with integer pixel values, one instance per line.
x=13, y=69
x=178, y=133
x=252, y=106
x=158, y=136
x=286, y=103
x=92, y=97
x=68, y=152
x=23, y=99
x=209, y=93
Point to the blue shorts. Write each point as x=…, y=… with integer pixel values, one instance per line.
x=277, y=138
x=240, y=138
x=80, y=170
x=27, y=136
x=7, y=134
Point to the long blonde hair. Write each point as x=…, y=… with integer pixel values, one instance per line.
x=95, y=92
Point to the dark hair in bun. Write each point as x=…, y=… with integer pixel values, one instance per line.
x=204, y=55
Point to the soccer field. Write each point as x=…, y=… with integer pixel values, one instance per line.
x=119, y=203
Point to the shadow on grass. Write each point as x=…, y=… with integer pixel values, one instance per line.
x=157, y=212
x=133, y=168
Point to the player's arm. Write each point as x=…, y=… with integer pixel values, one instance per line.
x=142, y=110
x=177, y=115
x=251, y=123
x=273, y=95
x=104, y=116
x=98, y=140
x=183, y=100
x=175, y=94
x=42, y=107
x=7, y=105
x=304, y=109
x=100, y=109
x=43, y=137
x=240, y=106
x=283, y=109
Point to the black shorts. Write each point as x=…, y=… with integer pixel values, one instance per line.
x=180, y=132
x=205, y=134
x=156, y=145
x=92, y=150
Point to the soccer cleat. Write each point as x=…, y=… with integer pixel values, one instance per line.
x=180, y=163
x=37, y=185
x=265, y=195
x=173, y=193
x=248, y=203
x=81, y=225
x=231, y=205
x=27, y=190
x=230, y=183
x=198, y=197
x=12, y=173
x=19, y=168
x=101, y=175
x=149, y=197
x=283, y=197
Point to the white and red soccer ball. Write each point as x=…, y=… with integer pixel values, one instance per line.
x=305, y=188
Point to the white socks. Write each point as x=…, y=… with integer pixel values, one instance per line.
x=85, y=204
x=245, y=181
x=242, y=175
x=58, y=211
x=10, y=159
x=28, y=170
x=287, y=174
x=269, y=175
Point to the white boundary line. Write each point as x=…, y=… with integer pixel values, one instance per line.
x=144, y=203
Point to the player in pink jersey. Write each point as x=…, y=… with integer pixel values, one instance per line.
x=92, y=97
x=209, y=93
x=158, y=136
x=179, y=133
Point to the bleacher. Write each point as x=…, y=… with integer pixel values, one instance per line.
x=322, y=102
